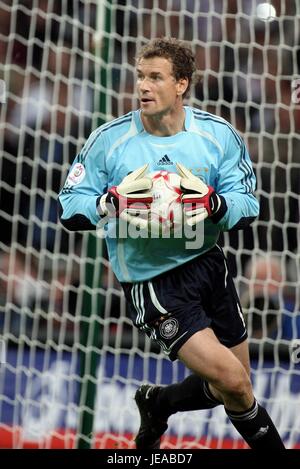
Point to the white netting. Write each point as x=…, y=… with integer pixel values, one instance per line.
x=53, y=87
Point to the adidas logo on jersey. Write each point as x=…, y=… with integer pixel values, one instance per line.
x=165, y=160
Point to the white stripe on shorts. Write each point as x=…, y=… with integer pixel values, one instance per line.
x=138, y=302
x=154, y=299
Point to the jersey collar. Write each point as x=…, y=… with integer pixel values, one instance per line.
x=139, y=124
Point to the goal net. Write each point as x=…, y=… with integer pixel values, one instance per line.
x=65, y=334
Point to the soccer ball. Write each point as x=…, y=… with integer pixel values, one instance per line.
x=166, y=213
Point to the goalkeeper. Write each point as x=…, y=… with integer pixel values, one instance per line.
x=184, y=299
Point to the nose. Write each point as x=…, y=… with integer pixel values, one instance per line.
x=143, y=84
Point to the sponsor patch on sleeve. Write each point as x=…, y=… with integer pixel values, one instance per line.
x=76, y=174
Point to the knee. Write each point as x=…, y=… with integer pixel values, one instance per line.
x=240, y=387
x=236, y=384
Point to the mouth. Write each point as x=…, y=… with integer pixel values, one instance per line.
x=146, y=100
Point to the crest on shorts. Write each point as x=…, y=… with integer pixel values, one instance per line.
x=169, y=328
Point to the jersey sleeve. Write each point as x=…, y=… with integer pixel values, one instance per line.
x=86, y=181
x=236, y=182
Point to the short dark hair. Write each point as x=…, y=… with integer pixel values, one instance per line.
x=178, y=52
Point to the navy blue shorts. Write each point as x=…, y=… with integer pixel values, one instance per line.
x=173, y=306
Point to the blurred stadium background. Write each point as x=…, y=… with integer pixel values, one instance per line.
x=70, y=358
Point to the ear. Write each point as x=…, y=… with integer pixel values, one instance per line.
x=182, y=85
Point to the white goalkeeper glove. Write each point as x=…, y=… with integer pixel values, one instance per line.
x=199, y=200
x=130, y=200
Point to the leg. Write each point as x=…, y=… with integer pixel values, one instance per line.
x=229, y=381
x=156, y=403
x=201, y=351
x=194, y=392
x=205, y=356
x=241, y=352
x=228, y=376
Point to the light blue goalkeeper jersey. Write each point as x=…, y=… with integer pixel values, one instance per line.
x=208, y=146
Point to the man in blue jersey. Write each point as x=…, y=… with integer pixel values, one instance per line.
x=184, y=299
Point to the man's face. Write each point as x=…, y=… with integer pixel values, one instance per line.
x=156, y=86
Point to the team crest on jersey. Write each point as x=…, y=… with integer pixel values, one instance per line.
x=76, y=175
x=169, y=328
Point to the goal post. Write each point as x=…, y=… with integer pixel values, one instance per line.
x=72, y=358
x=92, y=301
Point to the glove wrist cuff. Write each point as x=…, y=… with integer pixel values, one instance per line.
x=101, y=205
x=221, y=208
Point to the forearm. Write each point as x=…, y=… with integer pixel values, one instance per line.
x=78, y=212
x=242, y=209
x=130, y=200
